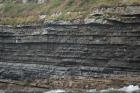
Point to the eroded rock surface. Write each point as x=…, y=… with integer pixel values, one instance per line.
x=70, y=56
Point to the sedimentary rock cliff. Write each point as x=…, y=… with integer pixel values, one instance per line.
x=71, y=56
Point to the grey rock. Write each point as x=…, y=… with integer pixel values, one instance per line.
x=71, y=51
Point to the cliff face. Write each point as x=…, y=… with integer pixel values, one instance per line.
x=70, y=56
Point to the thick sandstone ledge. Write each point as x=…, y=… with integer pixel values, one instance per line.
x=75, y=84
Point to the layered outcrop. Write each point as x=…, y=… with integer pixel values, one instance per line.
x=70, y=56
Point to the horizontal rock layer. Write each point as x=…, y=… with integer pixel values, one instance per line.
x=70, y=51
x=95, y=49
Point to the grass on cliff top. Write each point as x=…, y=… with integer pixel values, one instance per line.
x=16, y=13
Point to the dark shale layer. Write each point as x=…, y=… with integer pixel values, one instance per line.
x=70, y=56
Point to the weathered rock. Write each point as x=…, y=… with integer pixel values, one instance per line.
x=70, y=56
x=121, y=10
x=113, y=15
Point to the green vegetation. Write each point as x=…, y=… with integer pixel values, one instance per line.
x=17, y=13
